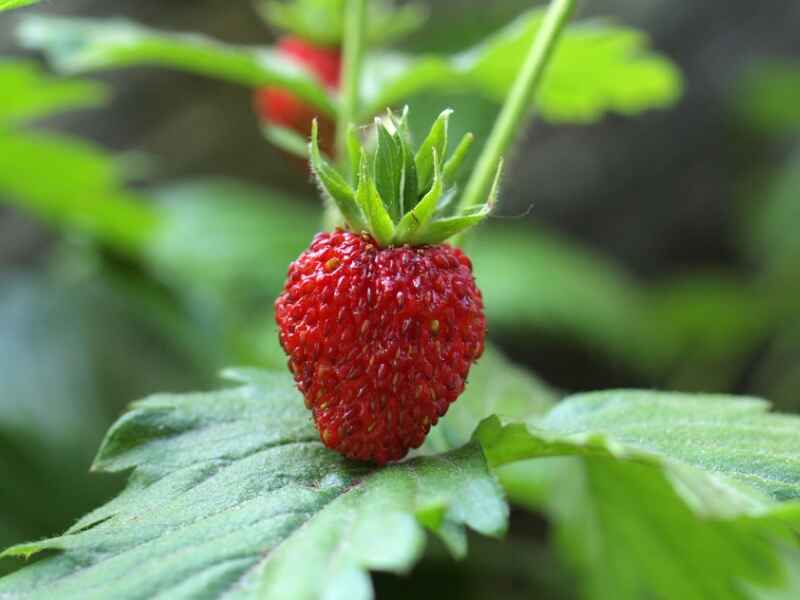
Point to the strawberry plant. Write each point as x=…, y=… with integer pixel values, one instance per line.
x=379, y=428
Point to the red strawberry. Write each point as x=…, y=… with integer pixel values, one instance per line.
x=381, y=323
x=280, y=107
x=380, y=340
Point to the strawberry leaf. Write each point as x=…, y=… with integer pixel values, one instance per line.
x=322, y=21
x=9, y=4
x=82, y=191
x=747, y=455
x=693, y=484
x=625, y=533
x=228, y=488
x=597, y=68
x=80, y=45
x=38, y=95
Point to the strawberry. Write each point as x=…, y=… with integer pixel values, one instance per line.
x=382, y=319
x=276, y=106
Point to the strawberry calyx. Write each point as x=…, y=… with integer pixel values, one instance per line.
x=398, y=195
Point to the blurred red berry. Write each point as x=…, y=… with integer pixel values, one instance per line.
x=282, y=108
x=380, y=340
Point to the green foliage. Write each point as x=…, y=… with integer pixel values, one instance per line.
x=72, y=353
x=707, y=326
x=322, y=21
x=82, y=189
x=229, y=488
x=80, y=45
x=773, y=233
x=674, y=495
x=768, y=98
x=597, y=68
x=719, y=441
x=691, y=483
x=625, y=533
x=250, y=234
x=9, y=4
x=36, y=94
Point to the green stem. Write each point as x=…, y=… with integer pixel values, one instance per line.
x=355, y=27
x=517, y=105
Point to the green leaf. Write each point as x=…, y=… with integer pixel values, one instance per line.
x=768, y=98
x=723, y=440
x=82, y=189
x=334, y=186
x=66, y=370
x=36, y=94
x=627, y=534
x=380, y=223
x=774, y=239
x=435, y=141
x=708, y=327
x=80, y=45
x=228, y=488
x=597, y=68
x=388, y=170
x=322, y=21
x=674, y=495
x=9, y=4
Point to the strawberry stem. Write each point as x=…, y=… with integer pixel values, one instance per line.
x=518, y=104
x=354, y=41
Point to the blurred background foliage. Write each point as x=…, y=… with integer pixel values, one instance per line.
x=145, y=232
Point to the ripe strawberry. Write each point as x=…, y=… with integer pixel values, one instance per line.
x=277, y=106
x=380, y=340
x=382, y=321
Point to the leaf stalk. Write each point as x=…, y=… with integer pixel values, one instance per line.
x=517, y=106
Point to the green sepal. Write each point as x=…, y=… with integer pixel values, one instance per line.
x=418, y=217
x=380, y=224
x=388, y=170
x=437, y=138
x=354, y=149
x=453, y=164
x=408, y=183
x=334, y=184
x=442, y=229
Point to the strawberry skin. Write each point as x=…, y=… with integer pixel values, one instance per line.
x=280, y=107
x=380, y=340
